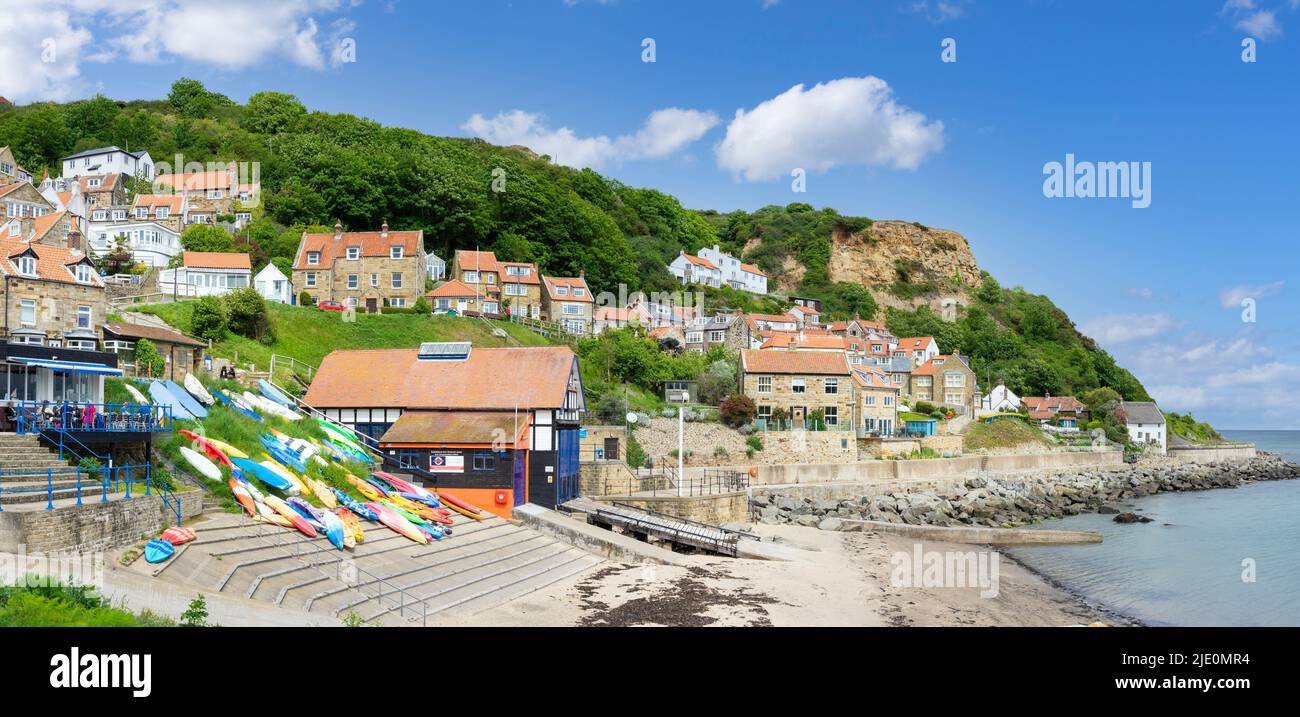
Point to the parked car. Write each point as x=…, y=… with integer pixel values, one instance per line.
x=331, y=306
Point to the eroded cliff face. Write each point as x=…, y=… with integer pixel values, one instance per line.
x=871, y=258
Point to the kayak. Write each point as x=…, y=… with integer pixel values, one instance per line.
x=310, y=514
x=274, y=394
x=271, y=407
x=284, y=510
x=248, y=412
x=274, y=467
x=342, y=436
x=322, y=493
x=463, y=511
x=135, y=393
x=156, y=551
x=282, y=454
x=195, y=408
x=204, y=466
x=410, y=517
x=452, y=501
x=380, y=486
x=265, y=513
x=397, y=523
x=334, y=531
x=428, y=500
x=161, y=396
x=178, y=536
x=351, y=504
x=432, y=532
x=365, y=488
x=242, y=495
x=196, y=389
x=352, y=524
x=403, y=486
x=267, y=476
x=205, y=445
x=226, y=448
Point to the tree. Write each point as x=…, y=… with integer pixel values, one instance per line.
x=248, y=315
x=205, y=237
x=192, y=100
x=148, y=362
x=272, y=113
x=209, y=320
x=737, y=411
x=990, y=291
x=718, y=382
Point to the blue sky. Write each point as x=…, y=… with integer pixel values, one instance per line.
x=957, y=145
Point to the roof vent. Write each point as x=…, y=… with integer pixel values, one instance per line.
x=444, y=351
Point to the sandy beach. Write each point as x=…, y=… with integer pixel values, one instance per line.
x=842, y=579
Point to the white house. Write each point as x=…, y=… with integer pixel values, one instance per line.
x=109, y=160
x=735, y=273
x=273, y=285
x=206, y=274
x=1000, y=400
x=151, y=243
x=1146, y=424
x=918, y=348
x=434, y=267
x=691, y=269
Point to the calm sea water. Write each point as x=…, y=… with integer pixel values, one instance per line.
x=1185, y=568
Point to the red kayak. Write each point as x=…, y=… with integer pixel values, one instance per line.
x=401, y=485
x=210, y=450
x=455, y=502
x=178, y=536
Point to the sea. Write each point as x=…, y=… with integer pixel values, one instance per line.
x=1224, y=557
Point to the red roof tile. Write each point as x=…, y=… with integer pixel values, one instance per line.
x=830, y=363
x=372, y=244
x=216, y=260
x=552, y=282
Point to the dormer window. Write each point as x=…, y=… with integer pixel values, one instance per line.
x=92, y=182
x=395, y=252
x=27, y=265
x=561, y=291
x=142, y=212
x=577, y=291
x=100, y=215
x=354, y=252
x=119, y=215
x=163, y=212
x=83, y=274
x=313, y=257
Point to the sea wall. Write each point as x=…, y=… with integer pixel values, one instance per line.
x=1005, y=500
x=886, y=470
x=1208, y=454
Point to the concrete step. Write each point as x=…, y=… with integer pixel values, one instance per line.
x=35, y=491
x=502, y=590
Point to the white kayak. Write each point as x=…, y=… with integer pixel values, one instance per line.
x=196, y=389
x=135, y=393
x=201, y=464
x=267, y=406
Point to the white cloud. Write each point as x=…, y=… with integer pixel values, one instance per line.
x=850, y=121
x=1261, y=23
x=233, y=34
x=1141, y=292
x=1121, y=328
x=1256, y=20
x=1232, y=298
x=664, y=133
x=938, y=11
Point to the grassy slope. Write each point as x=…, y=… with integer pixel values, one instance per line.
x=310, y=334
x=1004, y=433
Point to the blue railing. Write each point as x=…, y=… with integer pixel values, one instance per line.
x=80, y=482
x=39, y=416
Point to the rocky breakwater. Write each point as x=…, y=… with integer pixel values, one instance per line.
x=1010, y=500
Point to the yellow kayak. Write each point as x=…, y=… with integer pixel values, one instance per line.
x=369, y=491
x=352, y=524
x=266, y=515
x=226, y=448
x=323, y=493
x=405, y=504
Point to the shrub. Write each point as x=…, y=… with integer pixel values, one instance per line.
x=421, y=306
x=720, y=452
x=210, y=320
x=248, y=316
x=924, y=407
x=636, y=456
x=755, y=443
x=148, y=362
x=196, y=615
x=304, y=299
x=736, y=411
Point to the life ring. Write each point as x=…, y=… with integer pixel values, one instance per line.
x=753, y=472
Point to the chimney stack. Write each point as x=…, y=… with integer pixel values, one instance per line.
x=338, y=230
x=582, y=274
x=383, y=231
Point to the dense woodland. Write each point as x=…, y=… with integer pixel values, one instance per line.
x=465, y=193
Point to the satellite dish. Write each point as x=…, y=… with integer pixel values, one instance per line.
x=631, y=417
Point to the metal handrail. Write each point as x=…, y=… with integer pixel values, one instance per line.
x=279, y=539
x=110, y=477
x=35, y=417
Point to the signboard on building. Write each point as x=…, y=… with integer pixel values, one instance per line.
x=446, y=463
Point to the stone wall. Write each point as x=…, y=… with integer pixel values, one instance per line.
x=1204, y=454
x=810, y=446
x=56, y=304
x=92, y=526
x=813, y=397
x=595, y=438
x=872, y=471
x=711, y=509
x=332, y=282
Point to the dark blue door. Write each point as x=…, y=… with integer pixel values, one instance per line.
x=521, y=482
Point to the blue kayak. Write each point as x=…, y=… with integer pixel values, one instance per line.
x=189, y=402
x=159, y=393
x=221, y=396
x=282, y=454
x=275, y=394
x=353, y=505
x=264, y=474
x=156, y=551
x=312, y=515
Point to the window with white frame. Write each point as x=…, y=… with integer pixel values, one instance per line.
x=561, y=291
x=353, y=281
x=397, y=280
x=397, y=302
x=579, y=291
x=717, y=336
x=695, y=337
x=516, y=290
x=163, y=212
x=765, y=412
x=84, y=273
x=798, y=384
x=354, y=252
x=374, y=280
x=953, y=398
x=310, y=278
x=517, y=271
x=573, y=309
x=832, y=415
x=832, y=385
x=27, y=312
x=83, y=317
x=765, y=384
x=27, y=265
x=889, y=400
x=81, y=344
x=954, y=380
x=99, y=215
x=471, y=277
x=869, y=399
x=313, y=257
x=142, y=212
x=119, y=215
x=395, y=252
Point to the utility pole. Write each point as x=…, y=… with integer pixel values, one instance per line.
x=681, y=449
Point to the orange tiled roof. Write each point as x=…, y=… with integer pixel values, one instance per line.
x=106, y=182
x=216, y=260
x=469, y=260
x=453, y=289
x=915, y=343
x=752, y=269
x=534, y=276
x=372, y=244
x=814, y=341
x=43, y=224
x=771, y=318
x=827, y=363
x=872, y=378
x=490, y=379
x=929, y=368
x=552, y=282
x=53, y=263
x=171, y=201
x=1048, y=407
x=699, y=261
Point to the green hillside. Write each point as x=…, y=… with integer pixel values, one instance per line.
x=465, y=193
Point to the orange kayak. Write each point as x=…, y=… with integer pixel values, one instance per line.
x=242, y=495
x=397, y=523
x=369, y=491
x=285, y=511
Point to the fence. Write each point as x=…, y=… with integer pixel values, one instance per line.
x=664, y=481
x=41, y=416
x=786, y=424
x=77, y=481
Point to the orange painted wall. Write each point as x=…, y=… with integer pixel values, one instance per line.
x=484, y=498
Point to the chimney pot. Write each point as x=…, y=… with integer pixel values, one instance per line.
x=338, y=229
x=384, y=229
